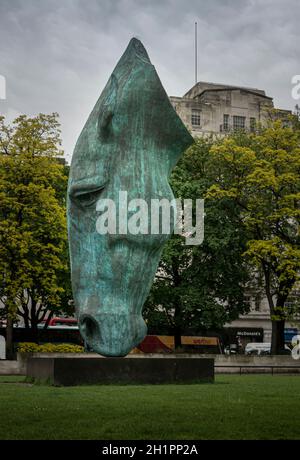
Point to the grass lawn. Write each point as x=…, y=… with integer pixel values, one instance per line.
x=235, y=407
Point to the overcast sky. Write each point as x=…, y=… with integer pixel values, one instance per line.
x=57, y=55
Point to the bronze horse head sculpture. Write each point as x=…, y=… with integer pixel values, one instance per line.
x=130, y=143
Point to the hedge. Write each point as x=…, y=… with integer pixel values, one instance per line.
x=30, y=347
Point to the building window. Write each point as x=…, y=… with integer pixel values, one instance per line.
x=196, y=119
x=252, y=124
x=226, y=122
x=238, y=122
x=247, y=300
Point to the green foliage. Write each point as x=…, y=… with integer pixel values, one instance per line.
x=259, y=174
x=200, y=287
x=30, y=347
x=251, y=186
x=33, y=237
x=27, y=347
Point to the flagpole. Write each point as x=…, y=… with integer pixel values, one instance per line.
x=196, y=52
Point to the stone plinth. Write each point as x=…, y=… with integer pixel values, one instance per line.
x=81, y=371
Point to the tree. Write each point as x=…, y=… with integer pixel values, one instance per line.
x=33, y=237
x=200, y=287
x=259, y=174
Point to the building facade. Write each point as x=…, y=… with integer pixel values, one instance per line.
x=214, y=108
x=211, y=108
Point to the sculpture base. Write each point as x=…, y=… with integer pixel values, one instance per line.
x=130, y=370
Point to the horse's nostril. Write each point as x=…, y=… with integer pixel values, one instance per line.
x=89, y=328
x=105, y=330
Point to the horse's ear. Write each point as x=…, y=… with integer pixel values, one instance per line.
x=92, y=144
x=108, y=108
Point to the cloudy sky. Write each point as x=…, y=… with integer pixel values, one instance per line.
x=57, y=55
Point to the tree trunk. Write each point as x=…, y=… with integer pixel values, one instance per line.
x=177, y=312
x=277, y=318
x=34, y=331
x=33, y=318
x=278, y=322
x=9, y=338
x=50, y=315
x=177, y=337
x=277, y=344
x=26, y=321
x=177, y=327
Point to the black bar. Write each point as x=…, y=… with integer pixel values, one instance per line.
x=133, y=448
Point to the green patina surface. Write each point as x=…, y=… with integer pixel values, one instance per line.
x=130, y=142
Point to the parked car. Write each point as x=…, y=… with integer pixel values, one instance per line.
x=231, y=349
x=61, y=323
x=261, y=348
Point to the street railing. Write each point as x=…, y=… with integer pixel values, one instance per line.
x=292, y=369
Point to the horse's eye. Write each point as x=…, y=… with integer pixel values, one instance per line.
x=86, y=198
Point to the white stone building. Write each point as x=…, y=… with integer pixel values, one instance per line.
x=214, y=108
